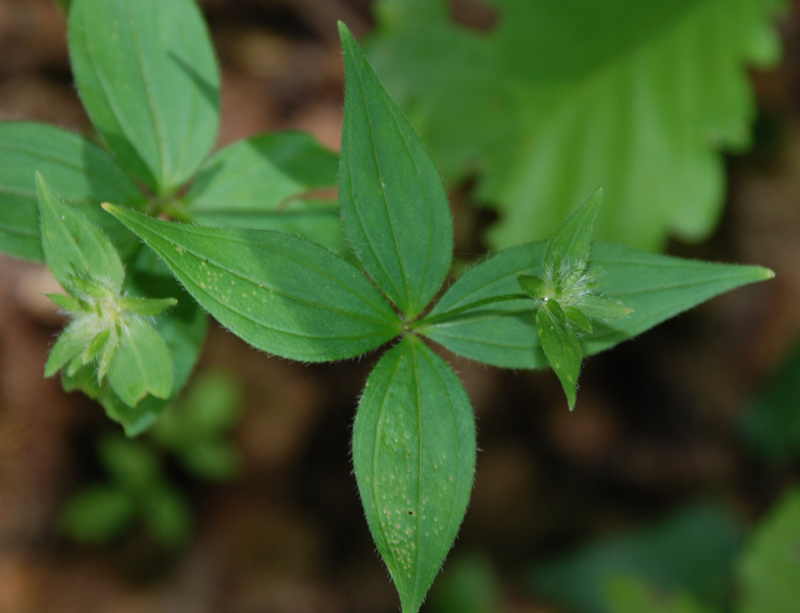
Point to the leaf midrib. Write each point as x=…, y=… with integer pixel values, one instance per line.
x=197, y=230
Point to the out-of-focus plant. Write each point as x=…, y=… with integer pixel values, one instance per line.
x=195, y=428
x=137, y=492
x=194, y=432
x=559, y=98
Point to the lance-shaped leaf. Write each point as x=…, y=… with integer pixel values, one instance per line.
x=571, y=242
x=141, y=365
x=561, y=346
x=414, y=458
x=183, y=327
x=74, y=247
x=79, y=171
x=71, y=344
x=393, y=204
x=147, y=75
x=504, y=334
x=280, y=293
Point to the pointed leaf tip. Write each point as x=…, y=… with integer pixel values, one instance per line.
x=570, y=243
x=392, y=200
x=414, y=461
x=75, y=250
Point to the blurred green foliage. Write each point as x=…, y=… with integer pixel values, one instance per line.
x=194, y=430
x=560, y=98
x=686, y=563
x=771, y=425
x=769, y=569
x=693, y=549
x=138, y=491
x=469, y=585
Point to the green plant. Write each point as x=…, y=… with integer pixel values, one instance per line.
x=137, y=492
x=414, y=445
x=556, y=99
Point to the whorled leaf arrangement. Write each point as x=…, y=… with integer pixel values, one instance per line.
x=414, y=434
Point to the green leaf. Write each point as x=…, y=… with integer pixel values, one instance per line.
x=638, y=97
x=66, y=302
x=211, y=406
x=141, y=365
x=270, y=182
x=97, y=515
x=393, y=204
x=79, y=171
x=183, y=327
x=74, y=247
x=281, y=293
x=213, y=460
x=561, y=346
x=147, y=75
x=169, y=518
x=260, y=175
x=769, y=570
x=504, y=334
x=130, y=464
x=414, y=457
x=194, y=426
x=597, y=307
x=533, y=286
x=570, y=245
x=655, y=288
x=579, y=318
x=70, y=344
x=147, y=306
x=134, y=420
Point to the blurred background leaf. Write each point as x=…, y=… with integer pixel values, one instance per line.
x=558, y=99
x=769, y=571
